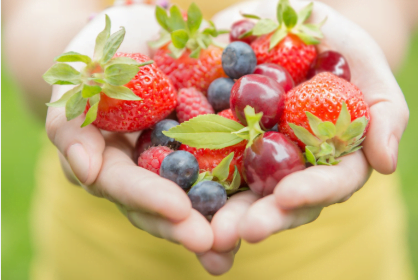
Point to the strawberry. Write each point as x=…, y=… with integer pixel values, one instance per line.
x=290, y=42
x=327, y=116
x=152, y=158
x=192, y=103
x=208, y=159
x=189, y=57
x=114, y=92
x=228, y=114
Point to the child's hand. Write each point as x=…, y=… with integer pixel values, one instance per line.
x=299, y=198
x=102, y=161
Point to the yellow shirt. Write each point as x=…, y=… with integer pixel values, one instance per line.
x=78, y=236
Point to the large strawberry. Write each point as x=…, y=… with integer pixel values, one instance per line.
x=118, y=91
x=188, y=56
x=327, y=116
x=288, y=42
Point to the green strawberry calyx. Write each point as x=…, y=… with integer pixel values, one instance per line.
x=183, y=34
x=328, y=141
x=220, y=174
x=102, y=74
x=288, y=22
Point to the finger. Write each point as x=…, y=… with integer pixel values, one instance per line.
x=82, y=147
x=265, y=217
x=323, y=185
x=216, y=263
x=194, y=232
x=121, y=181
x=225, y=222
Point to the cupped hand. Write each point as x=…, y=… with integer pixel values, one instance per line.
x=299, y=198
x=102, y=162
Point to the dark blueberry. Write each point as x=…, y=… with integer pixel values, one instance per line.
x=207, y=197
x=181, y=167
x=159, y=139
x=219, y=92
x=275, y=128
x=238, y=59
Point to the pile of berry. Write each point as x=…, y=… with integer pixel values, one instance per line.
x=246, y=115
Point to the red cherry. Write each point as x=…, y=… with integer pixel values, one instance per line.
x=239, y=28
x=260, y=92
x=272, y=157
x=276, y=72
x=142, y=143
x=330, y=61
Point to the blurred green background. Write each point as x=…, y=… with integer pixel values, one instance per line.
x=21, y=138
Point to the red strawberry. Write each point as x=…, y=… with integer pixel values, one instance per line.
x=113, y=90
x=228, y=114
x=152, y=158
x=289, y=42
x=325, y=99
x=191, y=103
x=208, y=159
x=291, y=53
x=158, y=100
x=185, y=54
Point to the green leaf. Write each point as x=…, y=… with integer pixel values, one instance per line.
x=327, y=130
x=62, y=74
x=221, y=171
x=236, y=180
x=304, y=135
x=119, y=92
x=113, y=44
x=66, y=96
x=127, y=61
x=250, y=16
x=305, y=13
x=307, y=39
x=75, y=106
x=97, y=80
x=202, y=44
x=73, y=57
x=175, y=52
x=162, y=18
x=253, y=123
x=323, y=161
x=164, y=39
x=290, y=18
x=279, y=12
x=89, y=91
x=264, y=26
x=195, y=53
x=246, y=34
x=176, y=20
x=311, y=30
x=92, y=112
x=326, y=150
x=314, y=122
x=310, y=155
x=355, y=129
x=343, y=121
x=120, y=74
x=101, y=39
x=194, y=18
x=179, y=38
x=278, y=35
x=206, y=131
x=204, y=176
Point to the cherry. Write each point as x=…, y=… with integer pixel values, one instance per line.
x=142, y=143
x=330, y=61
x=260, y=92
x=239, y=28
x=276, y=72
x=271, y=157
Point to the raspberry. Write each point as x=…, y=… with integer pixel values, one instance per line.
x=152, y=158
x=192, y=103
x=228, y=114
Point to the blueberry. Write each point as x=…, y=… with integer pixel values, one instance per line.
x=181, y=167
x=219, y=92
x=207, y=197
x=238, y=59
x=159, y=139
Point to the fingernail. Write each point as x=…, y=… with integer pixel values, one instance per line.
x=393, y=145
x=79, y=161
